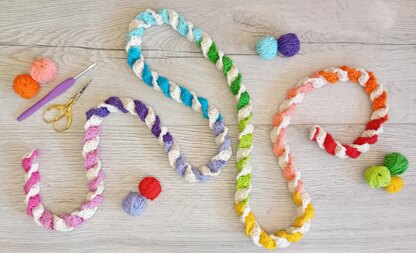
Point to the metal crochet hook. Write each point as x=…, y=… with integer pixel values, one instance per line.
x=63, y=111
x=58, y=90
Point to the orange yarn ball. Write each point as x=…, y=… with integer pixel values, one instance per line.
x=43, y=70
x=25, y=86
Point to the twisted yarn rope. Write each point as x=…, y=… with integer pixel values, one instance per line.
x=374, y=127
x=292, y=175
x=92, y=163
x=180, y=94
x=209, y=49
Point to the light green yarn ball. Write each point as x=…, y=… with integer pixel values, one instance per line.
x=377, y=176
x=396, y=163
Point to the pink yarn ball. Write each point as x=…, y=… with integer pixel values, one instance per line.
x=43, y=70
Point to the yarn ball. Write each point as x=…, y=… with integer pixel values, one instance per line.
x=134, y=204
x=377, y=176
x=395, y=185
x=25, y=86
x=43, y=70
x=396, y=163
x=266, y=47
x=150, y=187
x=288, y=44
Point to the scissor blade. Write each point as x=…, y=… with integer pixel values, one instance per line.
x=79, y=93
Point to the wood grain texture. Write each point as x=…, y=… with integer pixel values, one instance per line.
x=350, y=217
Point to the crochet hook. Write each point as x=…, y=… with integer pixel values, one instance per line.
x=55, y=92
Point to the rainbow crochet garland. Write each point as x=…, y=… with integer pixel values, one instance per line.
x=92, y=163
x=182, y=95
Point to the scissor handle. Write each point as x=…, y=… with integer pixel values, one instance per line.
x=58, y=108
x=62, y=111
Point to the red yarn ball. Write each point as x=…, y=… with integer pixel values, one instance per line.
x=150, y=188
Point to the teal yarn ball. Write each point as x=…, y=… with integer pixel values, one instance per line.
x=266, y=47
x=377, y=176
x=396, y=163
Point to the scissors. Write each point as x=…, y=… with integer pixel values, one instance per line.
x=55, y=92
x=63, y=111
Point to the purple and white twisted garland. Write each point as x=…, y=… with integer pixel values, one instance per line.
x=92, y=163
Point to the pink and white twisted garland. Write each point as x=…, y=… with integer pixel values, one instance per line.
x=92, y=164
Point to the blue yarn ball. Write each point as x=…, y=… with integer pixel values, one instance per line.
x=266, y=47
x=134, y=204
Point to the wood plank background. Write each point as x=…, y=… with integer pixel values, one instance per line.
x=350, y=217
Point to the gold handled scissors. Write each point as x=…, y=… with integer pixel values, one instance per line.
x=63, y=111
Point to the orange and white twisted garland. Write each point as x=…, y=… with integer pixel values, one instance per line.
x=325, y=141
x=374, y=127
x=281, y=120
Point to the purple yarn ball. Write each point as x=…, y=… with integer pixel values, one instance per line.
x=288, y=44
x=134, y=204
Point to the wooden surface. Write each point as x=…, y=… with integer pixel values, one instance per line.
x=350, y=217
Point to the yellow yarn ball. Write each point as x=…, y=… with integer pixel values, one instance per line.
x=395, y=185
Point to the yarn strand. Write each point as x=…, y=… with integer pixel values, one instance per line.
x=223, y=63
x=374, y=127
x=92, y=164
x=302, y=200
x=325, y=141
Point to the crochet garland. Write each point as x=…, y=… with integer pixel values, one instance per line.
x=281, y=149
x=92, y=163
x=180, y=94
x=374, y=127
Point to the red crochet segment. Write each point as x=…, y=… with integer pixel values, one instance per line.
x=373, y=128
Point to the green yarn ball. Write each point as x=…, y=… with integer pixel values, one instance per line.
x=396, y=163
x=377, y=176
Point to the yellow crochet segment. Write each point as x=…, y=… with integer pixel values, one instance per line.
x=270, y=241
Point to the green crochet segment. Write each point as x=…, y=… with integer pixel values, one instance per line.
x=243, y=123
x=240, y=164
x=235, y=85
x=246, y=141
x=243, y=182
x=213, y=53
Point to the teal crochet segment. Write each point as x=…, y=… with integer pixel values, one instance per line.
x=147, y=19
x=184, y=96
